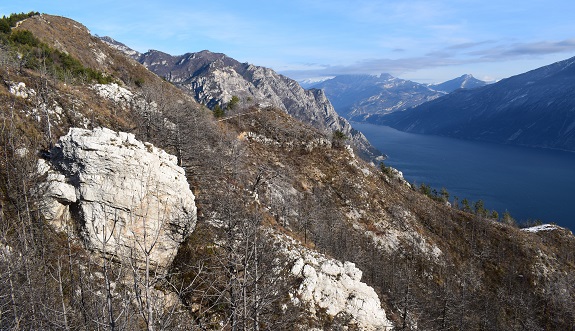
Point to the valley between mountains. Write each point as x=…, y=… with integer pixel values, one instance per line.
x=195, y=192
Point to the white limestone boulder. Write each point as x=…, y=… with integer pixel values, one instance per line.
x=124, y=197
x=336, y=288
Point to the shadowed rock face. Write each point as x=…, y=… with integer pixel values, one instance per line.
x=125, y=197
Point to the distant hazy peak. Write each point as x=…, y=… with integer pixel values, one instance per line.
x=358, y=95
x=121, y=47
x=531, y=109
x=466, y=81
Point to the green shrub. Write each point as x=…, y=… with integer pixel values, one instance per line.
x=139, y=82
x=9, y=22
x=425, y=189
x=15, y=18
x=24, y=37
x=38, y=54
x=4, y=26
x=218, y=112
x=385, y=169
x=338, y=139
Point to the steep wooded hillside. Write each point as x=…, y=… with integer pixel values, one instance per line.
x=293, y=232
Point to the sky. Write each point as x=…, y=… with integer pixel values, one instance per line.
x=427, y=41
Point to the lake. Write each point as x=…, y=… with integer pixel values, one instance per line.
x=530, y=183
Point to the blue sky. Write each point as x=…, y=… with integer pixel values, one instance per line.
x=425, y=41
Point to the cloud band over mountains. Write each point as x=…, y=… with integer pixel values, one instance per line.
x=459, y=54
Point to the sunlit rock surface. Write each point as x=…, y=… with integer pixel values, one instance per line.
x=123, y=197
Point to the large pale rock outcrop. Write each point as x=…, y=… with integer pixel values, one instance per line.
x=334, y=288
x=123, y=197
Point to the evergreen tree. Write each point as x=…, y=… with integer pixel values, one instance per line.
x=218, y=112
x=495, y=215
x=234, y=102
x=444, y=194
x=479, y=207
x=507, y=219
x=4, y=26
x=338, y=139
x=465, y=205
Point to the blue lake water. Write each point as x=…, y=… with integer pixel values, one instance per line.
x=530, y=183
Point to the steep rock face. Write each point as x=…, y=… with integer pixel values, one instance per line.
x=214, y=78
x=125, y=197
x=329, y=289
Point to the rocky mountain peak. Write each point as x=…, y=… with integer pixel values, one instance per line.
x=119, y=46
x=358, y=96
x=213, y=78
x=466, y=81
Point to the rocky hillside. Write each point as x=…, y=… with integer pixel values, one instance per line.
x=532, y=109
x=293, y=232
x=213, y=79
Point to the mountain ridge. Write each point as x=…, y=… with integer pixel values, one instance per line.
x=534, y=109
x=357, y=96
x=214, y=78
x=466, y=81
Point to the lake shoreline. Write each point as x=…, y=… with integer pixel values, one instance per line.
x=531, y=183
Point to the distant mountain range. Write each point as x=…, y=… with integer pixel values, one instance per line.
x=358, y=97
x=312, y=82
x=466, y=81
x=536, y=109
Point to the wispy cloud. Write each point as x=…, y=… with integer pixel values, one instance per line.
x=418, y=38
x=450, y=56
x=469, y=45
x=526, y=49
